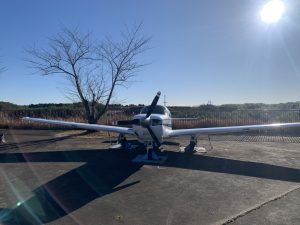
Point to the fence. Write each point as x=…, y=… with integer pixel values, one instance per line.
x=238, y=117
x=12, y=118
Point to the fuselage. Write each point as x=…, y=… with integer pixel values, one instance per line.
x=160, y=122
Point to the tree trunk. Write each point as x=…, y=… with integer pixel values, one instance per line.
x=92, y=120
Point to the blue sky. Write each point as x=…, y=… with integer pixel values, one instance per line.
x=201, y=51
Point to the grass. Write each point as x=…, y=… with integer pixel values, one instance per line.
x=10, y=120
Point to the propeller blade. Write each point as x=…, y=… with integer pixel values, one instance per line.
x=153, y=104
x=155, y=139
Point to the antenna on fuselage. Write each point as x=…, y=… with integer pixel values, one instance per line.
x=165, y=101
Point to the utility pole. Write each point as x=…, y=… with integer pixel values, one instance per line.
x=165, y=101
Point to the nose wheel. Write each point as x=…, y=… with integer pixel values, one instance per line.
x=151, y=155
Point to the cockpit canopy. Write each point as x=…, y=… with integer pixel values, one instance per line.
x=159, y=109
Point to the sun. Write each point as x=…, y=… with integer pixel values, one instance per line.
x=272, y=11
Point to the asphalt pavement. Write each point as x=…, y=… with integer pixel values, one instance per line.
x=56, y=177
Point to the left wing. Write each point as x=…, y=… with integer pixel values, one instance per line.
x=232, y=129
x=86, y=126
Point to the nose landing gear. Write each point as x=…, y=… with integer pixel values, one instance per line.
x=151, y=156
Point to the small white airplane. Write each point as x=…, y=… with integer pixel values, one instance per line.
x=154, y=123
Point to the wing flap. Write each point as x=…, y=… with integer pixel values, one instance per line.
x=85, y=126
x=232, y=129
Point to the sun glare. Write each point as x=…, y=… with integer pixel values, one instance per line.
x=272, y=11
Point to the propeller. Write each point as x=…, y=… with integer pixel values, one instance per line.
x=145, y=122
x=155, y=139
x=153, y=104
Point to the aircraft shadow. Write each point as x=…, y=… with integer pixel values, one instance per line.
x=104, y=171
x=231, y=166
x=9, y=146
x=98, y=177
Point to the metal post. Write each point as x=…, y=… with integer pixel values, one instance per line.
x=211, y=146
x=2, y=138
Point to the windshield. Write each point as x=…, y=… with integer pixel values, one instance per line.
x=157, y=110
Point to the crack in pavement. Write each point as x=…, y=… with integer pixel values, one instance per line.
x=255, y=207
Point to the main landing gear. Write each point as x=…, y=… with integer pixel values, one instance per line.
x=122, y=143
x=190, y=148
x=193, y=148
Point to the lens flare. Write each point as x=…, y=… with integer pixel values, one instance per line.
x=272, y=11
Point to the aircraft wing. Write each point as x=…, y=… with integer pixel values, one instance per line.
x=86, y=126
x=231, y=129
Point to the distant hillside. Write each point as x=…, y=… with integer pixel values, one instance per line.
x=204, y=115
x=76, y=105
x=209, y=107
x=253, y=106
x=8, y=106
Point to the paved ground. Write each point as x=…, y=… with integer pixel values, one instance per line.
x=47, y=177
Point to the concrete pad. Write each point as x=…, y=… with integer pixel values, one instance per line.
x=72, y=180
x=281, y=209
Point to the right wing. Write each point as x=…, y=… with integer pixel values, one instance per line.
x=230, y=129
x=86, y=126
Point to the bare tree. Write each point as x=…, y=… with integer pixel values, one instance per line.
x=93, y=69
